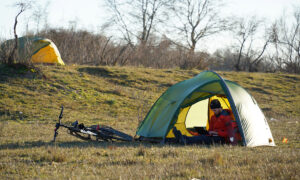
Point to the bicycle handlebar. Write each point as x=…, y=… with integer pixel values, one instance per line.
x=61, y=113
x=59, y=123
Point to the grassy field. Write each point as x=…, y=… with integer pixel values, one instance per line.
x=120, y=97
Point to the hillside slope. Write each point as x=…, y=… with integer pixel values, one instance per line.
x=120, y=97
x=106, y=93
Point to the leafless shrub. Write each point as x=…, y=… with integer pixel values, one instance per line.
x=198, y=60
x=20, y=56
x=83, y=47
x=286, y=42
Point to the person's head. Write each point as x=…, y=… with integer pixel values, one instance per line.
x=215, y=106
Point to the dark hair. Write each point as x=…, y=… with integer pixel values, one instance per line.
x=215, y=104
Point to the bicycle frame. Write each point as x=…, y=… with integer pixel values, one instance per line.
x=103, y=133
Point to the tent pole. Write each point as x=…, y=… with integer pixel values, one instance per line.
x=233, y=107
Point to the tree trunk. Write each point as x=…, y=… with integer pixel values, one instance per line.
x=12, y=55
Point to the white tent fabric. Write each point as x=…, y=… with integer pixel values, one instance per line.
x=254, y=125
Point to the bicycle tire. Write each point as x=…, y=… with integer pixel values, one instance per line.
x=115, y=134
x=88, y=136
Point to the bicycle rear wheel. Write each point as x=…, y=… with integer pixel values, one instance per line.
x=115, y=134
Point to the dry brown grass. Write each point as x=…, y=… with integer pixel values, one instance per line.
x=114, y=96
x=28, y=154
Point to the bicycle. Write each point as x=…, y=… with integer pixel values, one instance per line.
x=99, y=132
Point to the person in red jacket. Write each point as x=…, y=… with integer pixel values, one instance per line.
x=222, y=123
x=222, y=128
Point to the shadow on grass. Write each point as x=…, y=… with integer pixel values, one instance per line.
x=80, y=144
x=97, y=71
x=260, y=90
x=119, y=78
x=86, y=144
x=7, y=72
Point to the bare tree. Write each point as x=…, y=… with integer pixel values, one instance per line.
x=22, y=7
x=39, y=14
x=222, y=59
x=197, y=19
x=246, y=33
x=286, y=39
x=137, y=18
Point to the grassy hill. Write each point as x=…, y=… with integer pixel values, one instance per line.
x=120, y=97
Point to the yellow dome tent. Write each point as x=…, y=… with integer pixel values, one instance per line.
x=40, y=50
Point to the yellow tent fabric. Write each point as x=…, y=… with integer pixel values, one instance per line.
x=48, y=54
x=37, y=49
x=199, y=113
x=180, y=123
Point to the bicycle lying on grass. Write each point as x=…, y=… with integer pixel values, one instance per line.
x=94, y=132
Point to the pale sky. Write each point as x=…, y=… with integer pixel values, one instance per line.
x=90, y=14
x=87, y=13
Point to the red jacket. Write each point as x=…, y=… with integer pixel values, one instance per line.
x=224, y=125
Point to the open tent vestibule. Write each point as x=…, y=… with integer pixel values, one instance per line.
x=186, y=105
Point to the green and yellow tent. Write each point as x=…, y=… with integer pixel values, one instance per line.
x=186, y=105
x=39, y=50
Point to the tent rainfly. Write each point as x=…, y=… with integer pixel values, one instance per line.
x=39, y=50
x=186, y=105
